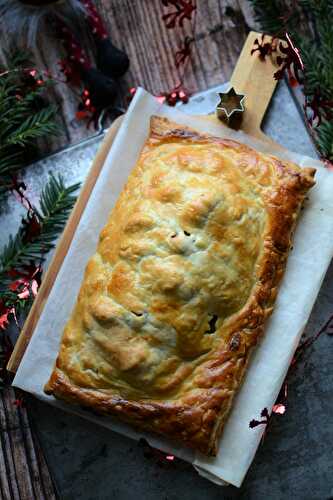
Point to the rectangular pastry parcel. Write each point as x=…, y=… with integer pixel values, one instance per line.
x=185, y=274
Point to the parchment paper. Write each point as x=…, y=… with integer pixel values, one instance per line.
x=307, y=265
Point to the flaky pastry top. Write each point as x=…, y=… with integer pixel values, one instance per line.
x=184, y=276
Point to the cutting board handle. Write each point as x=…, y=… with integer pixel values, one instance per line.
x=254, y=77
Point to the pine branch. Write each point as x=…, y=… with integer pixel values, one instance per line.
x=9, y=162
x=17, y=59
x=325, y=139
x=38, y=125
x=270, y=15
x=56, y=202
x=24, y=118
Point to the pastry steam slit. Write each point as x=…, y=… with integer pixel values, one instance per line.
x=212, y=324
x=185, y=232
x=137, y=313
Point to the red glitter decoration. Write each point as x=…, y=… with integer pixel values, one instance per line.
x=5, y=311
x=290, y=61
x=19, y=402
x=4, y=320
x=264, y=48
x=31, y=222
x=94, y=20
x=70, y=72
x=175, y=95
x=27, y=282
x=76, y=54
x=18, y=188
x=319, y=108
x=159, y=457
x=280, y=405
x=184, y=10
x=279, y=408
x=264, y=419
x=131, y=94
x=31, y=225
x=33, y=78
x=87, y=111
x=184, y=53
x=290, y=58
x=328, y=164
x=326, y=328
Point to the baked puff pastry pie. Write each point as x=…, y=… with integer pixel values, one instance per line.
x=184, y=277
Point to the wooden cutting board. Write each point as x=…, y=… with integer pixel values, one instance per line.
x=252, y=77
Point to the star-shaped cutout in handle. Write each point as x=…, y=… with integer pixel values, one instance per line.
x=230, y=104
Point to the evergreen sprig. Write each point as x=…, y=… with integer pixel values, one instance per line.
x=309, y=23
x=270, y=15
x=33, y=127
x=56, y=202
x=25, y=117
x=325, y=139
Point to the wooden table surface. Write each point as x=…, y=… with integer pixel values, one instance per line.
x=135, y=26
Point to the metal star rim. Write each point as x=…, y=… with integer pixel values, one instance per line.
x=230, y=102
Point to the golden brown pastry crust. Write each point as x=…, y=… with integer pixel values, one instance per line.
x=184, y=277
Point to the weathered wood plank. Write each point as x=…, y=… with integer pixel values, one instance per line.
x=17, y=449
x=23, y=471
x=9, y=467
x=4, y=483
x=42, y=483
x=45, y=477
